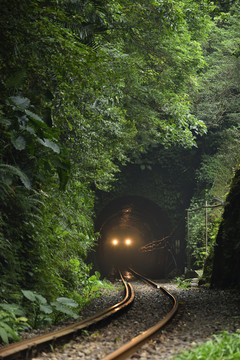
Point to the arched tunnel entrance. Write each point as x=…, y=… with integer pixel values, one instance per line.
x=134, y=231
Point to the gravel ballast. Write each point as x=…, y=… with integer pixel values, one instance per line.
x=202, y=312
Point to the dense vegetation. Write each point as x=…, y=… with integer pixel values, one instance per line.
x=88, y=86
x=216, y=102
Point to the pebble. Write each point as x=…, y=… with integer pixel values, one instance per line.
x=202, y=312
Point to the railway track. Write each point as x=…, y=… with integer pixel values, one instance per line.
x=130, y=347
x=28, y=348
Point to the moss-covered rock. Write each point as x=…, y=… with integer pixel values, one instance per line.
x=207, y=270
x=226, y=264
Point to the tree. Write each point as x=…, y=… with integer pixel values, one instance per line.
x=161, y=54
x=85, y=86
x=216, y=103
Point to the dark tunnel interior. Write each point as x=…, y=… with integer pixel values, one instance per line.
x=126, y=225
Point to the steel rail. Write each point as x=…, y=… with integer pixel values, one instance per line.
x=130, y=347
x=26, y=347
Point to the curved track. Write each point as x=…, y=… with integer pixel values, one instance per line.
x=130, y=347
x=26, y=348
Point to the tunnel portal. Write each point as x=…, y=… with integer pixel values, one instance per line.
x=127, y=227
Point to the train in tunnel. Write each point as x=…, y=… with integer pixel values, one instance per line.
x=135, y=232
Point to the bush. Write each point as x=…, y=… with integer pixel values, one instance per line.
x=225, y=346
x=12, y=320
x=43, y=313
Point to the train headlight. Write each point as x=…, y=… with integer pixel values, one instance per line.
x=128, y=242
x=115, y=242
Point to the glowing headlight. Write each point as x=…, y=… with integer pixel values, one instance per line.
x=128, y=242
x=115, y=242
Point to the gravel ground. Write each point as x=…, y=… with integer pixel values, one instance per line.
x=202, y=312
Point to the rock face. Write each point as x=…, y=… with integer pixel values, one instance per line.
x=226, y=264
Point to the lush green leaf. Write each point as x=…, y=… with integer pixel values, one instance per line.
x=67, y=301
x=19, y=102
x=50, y=144
x=30, y=295
x=3, y=334
x=18, y=142
x=46, y=309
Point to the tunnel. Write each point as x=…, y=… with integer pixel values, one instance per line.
x=134, y=231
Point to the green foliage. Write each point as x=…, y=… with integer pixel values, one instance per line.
x=160, y=58
x=225, y=346
x=92, y=286
x=53, y=113
x=219, y=87
x=42, y=313
x=67, y=224
x=196, y=241
x=213, y=181
x=216, y=103
x=23, y=131
x=63, y=308
x=12, y=321
x=182, y=282
x=85, y=87
x=38, y=310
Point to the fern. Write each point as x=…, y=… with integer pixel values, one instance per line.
x=7, y=172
